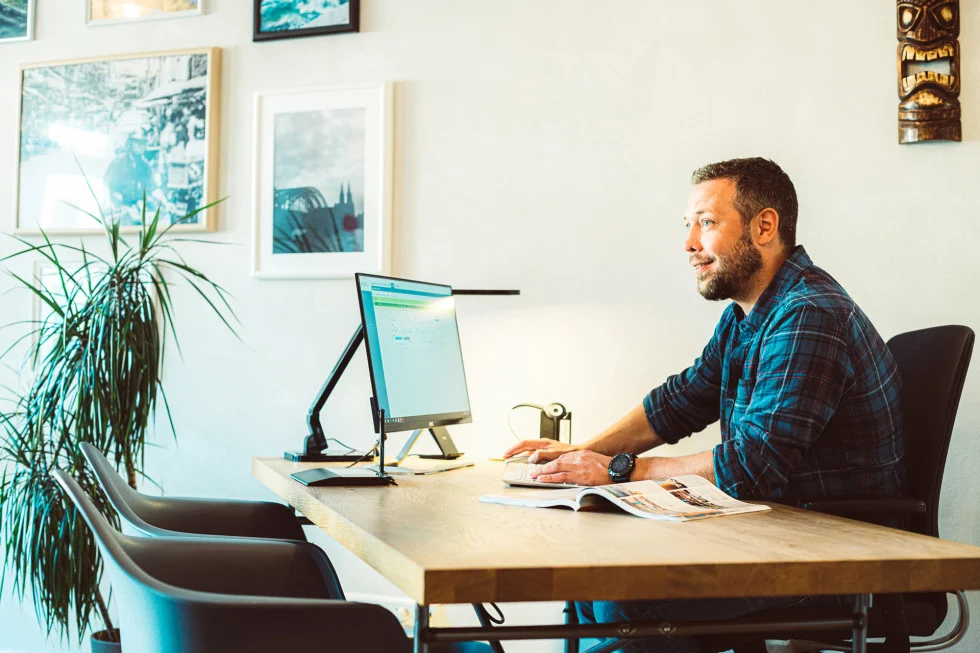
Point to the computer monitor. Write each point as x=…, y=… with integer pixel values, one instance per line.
x=414, y=354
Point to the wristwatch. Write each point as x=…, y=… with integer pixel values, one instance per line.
x=621, y=467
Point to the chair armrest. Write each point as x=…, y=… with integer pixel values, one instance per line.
x=253, y=567
x=220, y=517
x=866, y=506
x=219, y=623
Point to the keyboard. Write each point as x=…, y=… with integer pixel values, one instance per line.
x=517, y=471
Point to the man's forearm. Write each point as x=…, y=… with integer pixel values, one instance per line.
x=632, y=433
x=656, y=467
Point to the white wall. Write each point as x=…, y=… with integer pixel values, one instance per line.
x=547, y=145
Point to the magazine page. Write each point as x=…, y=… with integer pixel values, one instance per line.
x=535, y=498
x=681, y=498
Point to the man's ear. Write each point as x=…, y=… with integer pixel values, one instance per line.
x=767, y=226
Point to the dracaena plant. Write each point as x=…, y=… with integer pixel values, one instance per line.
x=92, y=373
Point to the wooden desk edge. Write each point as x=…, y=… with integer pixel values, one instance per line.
x=445, y=586
x=401, y=571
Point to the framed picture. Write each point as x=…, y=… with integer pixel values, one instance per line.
x=102, y=134
x=108, y=12
x=16, y=20
x=286, y=19
x=322, y=182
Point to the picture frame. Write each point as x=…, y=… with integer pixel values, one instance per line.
x=99, y=134
x=285, y=19
x=322, y=182
x=114, y=12
x=17, y=20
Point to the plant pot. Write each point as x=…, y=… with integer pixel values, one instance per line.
x=102, y=644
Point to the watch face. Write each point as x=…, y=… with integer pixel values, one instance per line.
x=620, y=463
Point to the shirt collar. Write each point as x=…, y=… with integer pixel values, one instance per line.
x=786, y=276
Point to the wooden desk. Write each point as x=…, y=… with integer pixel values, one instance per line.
x=432, y=539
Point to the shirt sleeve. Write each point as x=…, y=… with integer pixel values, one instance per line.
x=688, y=402
x=804, y=370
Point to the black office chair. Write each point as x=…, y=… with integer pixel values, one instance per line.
x=933, y=364
x=196, y=595
x=209, y=518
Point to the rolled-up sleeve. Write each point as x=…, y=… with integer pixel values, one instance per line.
x=688, y=402
x=804, y=370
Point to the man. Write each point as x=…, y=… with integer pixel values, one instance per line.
x=129, y=175
x=806, y=392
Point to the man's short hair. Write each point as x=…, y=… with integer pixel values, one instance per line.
x=759, y=184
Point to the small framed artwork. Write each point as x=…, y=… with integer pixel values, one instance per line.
x=322, y=182
x=110, y=12
x=286, y=19
x=16, y=20
x=97, y=136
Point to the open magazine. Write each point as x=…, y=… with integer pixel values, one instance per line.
x=681, y=498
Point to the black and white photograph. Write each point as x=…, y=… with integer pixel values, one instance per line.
x=322, y=182
x=102, y=136
x=106, y=12
x=282, y=19
x=16, y=20
x=318, y=182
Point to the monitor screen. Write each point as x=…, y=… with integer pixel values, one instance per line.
x=413, y=352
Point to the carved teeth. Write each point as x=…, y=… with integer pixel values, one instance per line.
x=909, y=53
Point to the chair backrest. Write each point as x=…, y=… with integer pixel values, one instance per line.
x=132, y=587
x=933, y=364
x=123, y=498
x=156, y=617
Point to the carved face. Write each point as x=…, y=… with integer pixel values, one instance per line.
x=928, y=70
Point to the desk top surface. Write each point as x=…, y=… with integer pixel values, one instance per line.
x=433, y=539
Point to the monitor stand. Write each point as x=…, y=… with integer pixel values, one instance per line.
x=441, y=435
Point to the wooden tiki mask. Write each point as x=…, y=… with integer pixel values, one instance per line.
x=929, y=71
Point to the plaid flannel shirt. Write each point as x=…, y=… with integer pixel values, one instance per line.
x=806, y=391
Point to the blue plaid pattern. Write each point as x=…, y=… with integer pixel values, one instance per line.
x=807, y=393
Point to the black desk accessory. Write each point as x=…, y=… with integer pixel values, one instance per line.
x=316, y=442
x=351, y=477
x=552, y=416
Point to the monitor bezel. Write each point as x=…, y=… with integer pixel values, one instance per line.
x=412, y=422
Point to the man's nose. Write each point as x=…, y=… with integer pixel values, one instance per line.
x=692, y=243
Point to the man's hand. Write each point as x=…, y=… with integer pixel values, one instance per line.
x=541, y=450
x=579, y=467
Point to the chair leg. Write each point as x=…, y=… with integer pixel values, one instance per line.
x=571, y=619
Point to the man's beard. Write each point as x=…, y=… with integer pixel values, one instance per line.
x=732, y=272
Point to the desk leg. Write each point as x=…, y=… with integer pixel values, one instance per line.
x=421, y=626
x=859, y=639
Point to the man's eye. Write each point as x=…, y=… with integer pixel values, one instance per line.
x=706, y=222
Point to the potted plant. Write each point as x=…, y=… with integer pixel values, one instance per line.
x=92, y=374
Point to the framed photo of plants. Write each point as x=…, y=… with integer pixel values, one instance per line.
x=16, y=20
x=286, y=19
x=322, y=182
x=109, y=12
x=97, y=136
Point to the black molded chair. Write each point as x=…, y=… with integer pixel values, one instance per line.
x=197, y=595
x=933, y=364
x=169, y=516
x=224, y=518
